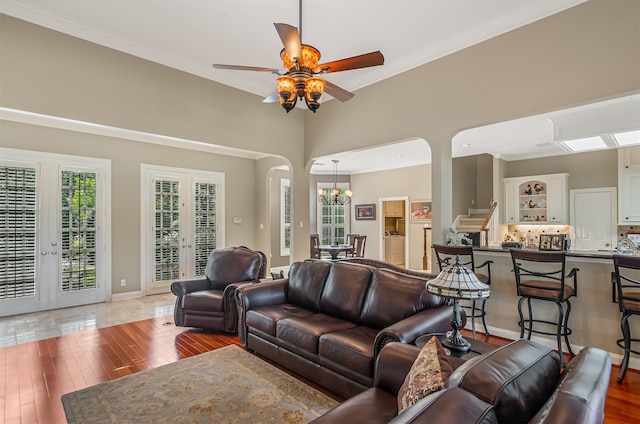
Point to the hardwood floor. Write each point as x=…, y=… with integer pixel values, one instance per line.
x=34, y=375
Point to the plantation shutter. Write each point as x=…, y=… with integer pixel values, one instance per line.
x=17, y=232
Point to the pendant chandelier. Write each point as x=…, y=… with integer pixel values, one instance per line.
x=331, y=196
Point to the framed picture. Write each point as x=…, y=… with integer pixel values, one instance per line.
x=367, y=211
x=420, y=210
x=551, y=242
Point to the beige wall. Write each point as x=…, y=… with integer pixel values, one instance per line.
x=585, y=54
x=126, y=158
x=412, y=182
x=586, y=170
x=588, y=53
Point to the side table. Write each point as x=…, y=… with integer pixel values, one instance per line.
x=477, y=347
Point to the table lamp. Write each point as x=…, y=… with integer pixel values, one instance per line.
x=457, y=282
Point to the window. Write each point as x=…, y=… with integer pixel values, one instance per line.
x=333, y=220
x=285, y=217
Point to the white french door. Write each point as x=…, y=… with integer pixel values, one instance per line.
x=184, y=215
x=54, y=243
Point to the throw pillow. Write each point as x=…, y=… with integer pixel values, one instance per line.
x=429, y=372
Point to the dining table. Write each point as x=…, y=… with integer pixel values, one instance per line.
x=336, y=250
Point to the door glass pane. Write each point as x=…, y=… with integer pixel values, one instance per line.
x=167, y=234
x=17, y=232
x=78, y=226
x=205, y=224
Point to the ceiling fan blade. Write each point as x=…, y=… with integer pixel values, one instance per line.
x=272, y=98
x=290, y=39
x=246, y=68
x=356, y=62
x=337, y=92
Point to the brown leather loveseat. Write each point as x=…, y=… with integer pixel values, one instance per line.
x=517, y=383
x=328, y=320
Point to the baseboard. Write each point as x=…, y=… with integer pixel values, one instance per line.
x=616, y=358
x=127, y=295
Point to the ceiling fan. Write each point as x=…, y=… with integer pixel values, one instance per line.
x=300, y=78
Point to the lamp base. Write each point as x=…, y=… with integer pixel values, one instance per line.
x=455, y=341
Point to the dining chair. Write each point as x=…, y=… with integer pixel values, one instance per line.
x=359, y=245
x=314, y=244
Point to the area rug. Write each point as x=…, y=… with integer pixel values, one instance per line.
x=227, y=385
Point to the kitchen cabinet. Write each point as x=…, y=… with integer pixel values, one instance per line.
x=394, y=209
x=537, y=199
x=394, y=250
x=629, y=185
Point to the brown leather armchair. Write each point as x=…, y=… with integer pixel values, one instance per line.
x=208, y=302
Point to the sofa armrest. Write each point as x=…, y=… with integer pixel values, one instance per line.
x=582, y=391
x=255, y=295
x=182, y=287
x=392, y=366
x=267, y=293
x=432, y=320
x=230, y=308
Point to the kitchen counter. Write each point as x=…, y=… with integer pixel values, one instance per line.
x=594, y=319
x=597, y=254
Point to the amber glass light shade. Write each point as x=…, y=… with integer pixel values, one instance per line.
x=309, y=60
x=286, y=85
x=314, y=88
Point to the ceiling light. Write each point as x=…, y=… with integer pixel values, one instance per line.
x=585, y=144
x=334, y=196
x=465, y=145
x=628, y=138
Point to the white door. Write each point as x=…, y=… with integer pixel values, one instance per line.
x=54, y=249
x=593, y=213
x=185, y=222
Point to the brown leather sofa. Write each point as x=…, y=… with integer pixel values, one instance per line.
x=518, y=383
x=328, y=320
x=209, y=302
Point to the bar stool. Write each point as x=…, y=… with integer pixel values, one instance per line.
x=627, y=278
x=541, y=276
x=446, y=254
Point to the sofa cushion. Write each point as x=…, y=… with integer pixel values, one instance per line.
x=306, y=282
x=344, y=290
x=204, y=300
x=304, y=332
x=265, y=318
x=351, y=348
x=428, y=374
x=393, y=297
x=516, y=379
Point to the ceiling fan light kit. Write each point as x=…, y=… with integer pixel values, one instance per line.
x=301, y=62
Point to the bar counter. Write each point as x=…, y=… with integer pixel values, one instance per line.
x=594, y=319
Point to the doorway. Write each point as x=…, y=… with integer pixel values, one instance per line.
x=394, y=230
x=55, y=249
x=184, y=212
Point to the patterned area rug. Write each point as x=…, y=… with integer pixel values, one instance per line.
x=227, y=385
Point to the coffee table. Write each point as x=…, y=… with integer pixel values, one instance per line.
x=477, y=347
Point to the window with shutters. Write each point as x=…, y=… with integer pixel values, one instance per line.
x=285, y=217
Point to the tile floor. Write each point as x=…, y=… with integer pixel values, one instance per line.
x=35, y=326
